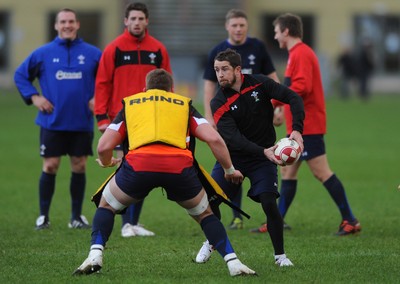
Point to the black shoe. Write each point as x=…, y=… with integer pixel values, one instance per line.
x=80, y=223
x=42, y=222
x=286, y=226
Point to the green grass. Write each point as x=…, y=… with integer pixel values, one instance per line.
x=363, y=150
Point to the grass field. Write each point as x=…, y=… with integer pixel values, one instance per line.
x=363, y=148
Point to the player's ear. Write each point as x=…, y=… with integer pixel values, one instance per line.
x=286, y=32
x=238, y=69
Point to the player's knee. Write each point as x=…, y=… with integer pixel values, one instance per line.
x=200, y=208
x=111, y=200
x=268, y=203
x=78, y=164
x=50, y=168
x=322, y=176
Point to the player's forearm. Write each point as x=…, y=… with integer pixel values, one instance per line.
x=107, y=143
x=221, y=153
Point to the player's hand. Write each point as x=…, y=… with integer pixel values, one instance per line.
x=91, y=105
x=279, y=116
x=42, y=104
x=102, y=127
x=295, y=135
x=236, y=177
x=270, y=154
x=114, y=162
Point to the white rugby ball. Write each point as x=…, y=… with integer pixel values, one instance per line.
x=288, y=151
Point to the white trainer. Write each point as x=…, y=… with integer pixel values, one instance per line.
x=282, y=260
x=141, y=231
x=236, y=267
x=204, y=253
x=127, y=231
x=93, y=263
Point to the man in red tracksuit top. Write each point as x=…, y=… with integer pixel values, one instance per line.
x=122, y=71
x=303, y=76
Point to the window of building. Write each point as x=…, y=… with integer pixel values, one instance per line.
x=194, y=28
x=4, y=39
x=382, y=34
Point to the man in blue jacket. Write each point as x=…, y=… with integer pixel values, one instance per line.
x=66, y=70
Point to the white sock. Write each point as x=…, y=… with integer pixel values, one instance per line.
x=98, y=247
x=278, y=256
x=230, y=256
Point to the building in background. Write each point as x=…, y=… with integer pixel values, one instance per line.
x=329, y=26
x=189, y=28
x=26, y=25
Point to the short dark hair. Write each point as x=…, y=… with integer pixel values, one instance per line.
x=291, y=22
x=66, y=10
x=235, y=13
x=159, y=79
x=231, y=56
x=136, y=7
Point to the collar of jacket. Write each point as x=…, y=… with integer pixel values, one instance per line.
x=133, y=38
x=61, y=41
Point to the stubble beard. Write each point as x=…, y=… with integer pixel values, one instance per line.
x=137, y=35
x=228, y=84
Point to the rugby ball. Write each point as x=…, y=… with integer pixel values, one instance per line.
x=288, y=151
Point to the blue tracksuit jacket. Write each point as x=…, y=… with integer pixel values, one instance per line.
x=66, y=71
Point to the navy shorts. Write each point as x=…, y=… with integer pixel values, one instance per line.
x=314, y=146
x=61, y=143
x=179, y=187
x=263, y=176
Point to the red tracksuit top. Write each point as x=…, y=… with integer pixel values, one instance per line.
x=303, y=76
x=122, y=71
